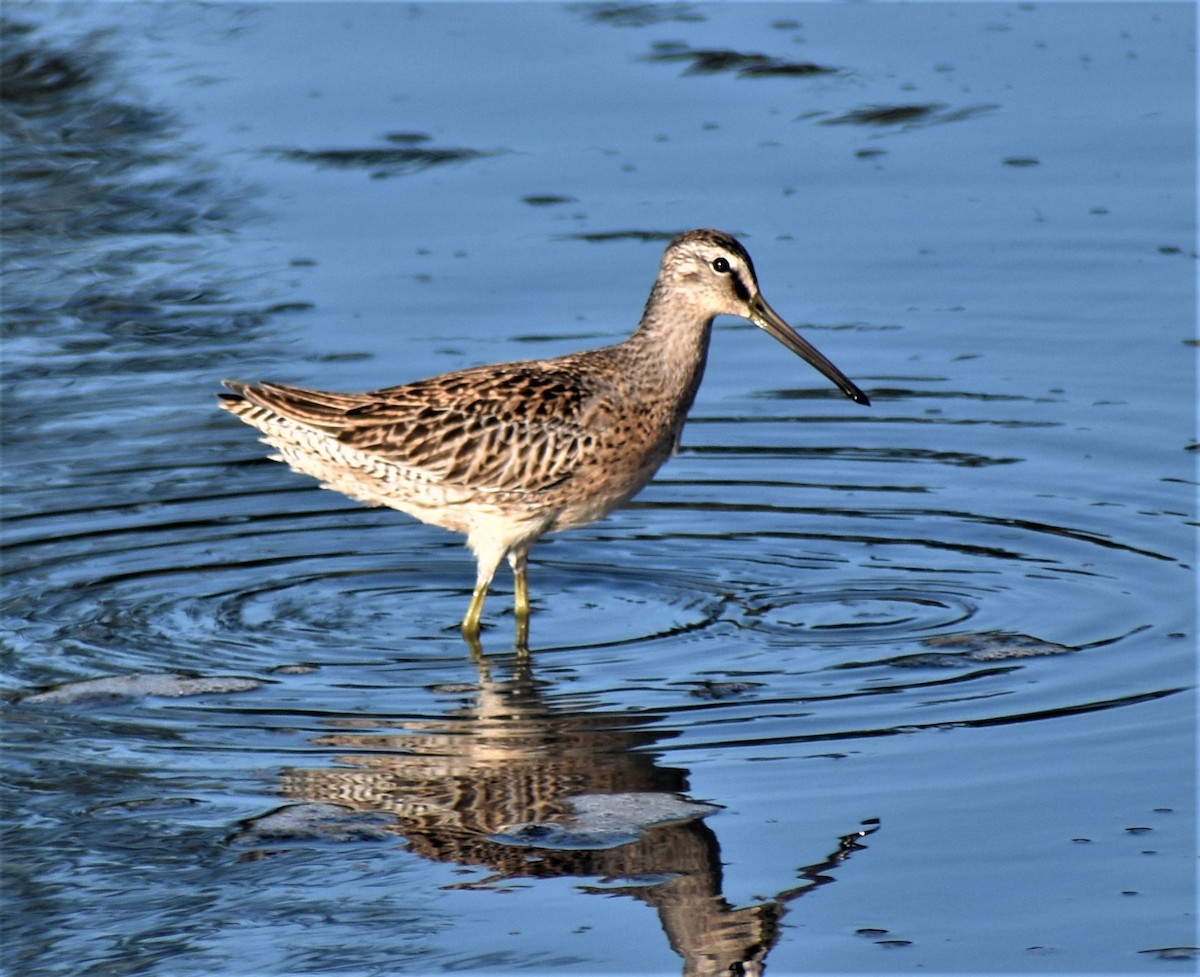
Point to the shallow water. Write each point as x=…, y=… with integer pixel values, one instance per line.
x=929, y=664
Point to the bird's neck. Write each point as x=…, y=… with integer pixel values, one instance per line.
x=670, y=345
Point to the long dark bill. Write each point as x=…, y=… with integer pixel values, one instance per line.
x=767, y=319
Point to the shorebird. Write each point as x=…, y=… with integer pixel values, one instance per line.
x=508, y=452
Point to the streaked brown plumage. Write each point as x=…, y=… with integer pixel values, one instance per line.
x=507, y=452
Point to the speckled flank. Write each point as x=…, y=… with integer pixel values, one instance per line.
x=508, y=452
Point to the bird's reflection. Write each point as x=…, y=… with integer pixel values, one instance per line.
x=500, y=782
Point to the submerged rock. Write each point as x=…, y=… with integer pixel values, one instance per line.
x=959, y=650
x=130, y=688
x=986, y=646
x=301, y=823
x=604, y=821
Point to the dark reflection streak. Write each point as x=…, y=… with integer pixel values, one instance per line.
x=957, y=678
x=145, y=527
x=1027, y=525
x=1078, y=535
x=150, y=573
x=221, y=465
x=905, y=393
x=905, y=456
x=600, y=237
x=636, y=14
x=323, y=717
x=700, y=624
x=384, y=161
x=758, y=421
x=289, y=519
x=840, y=487
x=908, y=116
x=991, y=552
x=71, y=559
x=817, y=874
x=136, y=507
x=853, y=734
x=725, y=483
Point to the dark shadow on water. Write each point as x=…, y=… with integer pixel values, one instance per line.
x=638, y=14
x=907, y=116
x=710, y=61
x=600, y=237
x=382, y=162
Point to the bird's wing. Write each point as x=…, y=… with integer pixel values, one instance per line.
x=518, y=426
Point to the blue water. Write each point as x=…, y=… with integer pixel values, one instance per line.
x=929, y=665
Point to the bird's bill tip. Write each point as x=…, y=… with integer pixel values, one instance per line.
x=767, y=319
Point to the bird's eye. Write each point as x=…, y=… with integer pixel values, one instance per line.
x=720, y=265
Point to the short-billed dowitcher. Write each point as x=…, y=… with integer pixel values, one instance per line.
x=508, y=452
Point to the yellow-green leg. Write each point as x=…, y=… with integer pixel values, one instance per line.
x=470, y=624
x=517, y=559
x=520, y=583
x=483, y=580
x=487, y=561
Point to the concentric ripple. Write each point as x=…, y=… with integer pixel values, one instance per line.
x=271, y=579
x=860, y=612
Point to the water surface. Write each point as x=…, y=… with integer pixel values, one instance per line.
x=929, y=665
